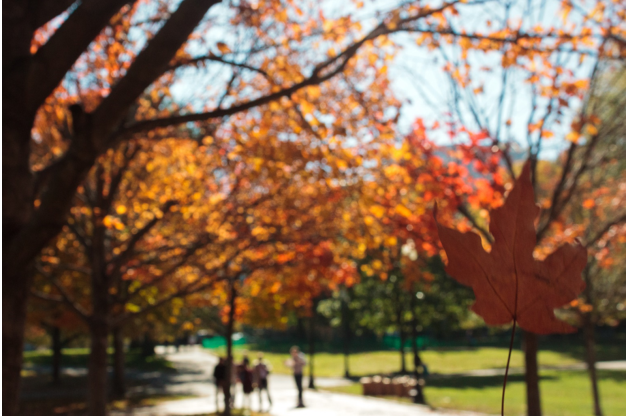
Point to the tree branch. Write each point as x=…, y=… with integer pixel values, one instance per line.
x=54, y=59
x=215, y=58
x=465, y=212
x=66, y=298
x=46, y=10
x=150, y=64
x=605, y=229
x=124, y=256
x=317, y=77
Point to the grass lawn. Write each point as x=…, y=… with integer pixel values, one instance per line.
x=78, y=357
x=441, y=361
x=562, y=393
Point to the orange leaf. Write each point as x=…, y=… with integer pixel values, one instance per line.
x=508, y=282
x=224, y=49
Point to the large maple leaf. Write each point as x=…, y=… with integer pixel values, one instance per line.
x=508, y=282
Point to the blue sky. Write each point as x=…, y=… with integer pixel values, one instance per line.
x=417, y=75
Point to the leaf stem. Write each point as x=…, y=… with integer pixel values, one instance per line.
x=508, y=362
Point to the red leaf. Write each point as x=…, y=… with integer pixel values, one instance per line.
x=508, y=282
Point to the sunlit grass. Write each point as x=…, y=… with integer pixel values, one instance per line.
x=442, y=361
x=562, y=393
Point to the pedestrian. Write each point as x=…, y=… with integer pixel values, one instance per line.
x=246, y=378
x=297, y=362
x=261, y=372
x=219, y=377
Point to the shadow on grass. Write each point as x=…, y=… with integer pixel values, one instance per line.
x=617, y=376
x=70, y=406
x=461, y=382
x=78, y=358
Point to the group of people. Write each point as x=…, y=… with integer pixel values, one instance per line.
x=248, y=377
x=255, y=377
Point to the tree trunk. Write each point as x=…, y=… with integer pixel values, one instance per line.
x=229, y=348
x=17, y=194
x=591, y=361
x=147, y=345
x=345, y=321
x=400, y=324
x=57, y=352
x=417, y=361
x=119, y=380
x=14, y=297
x=590, y=346
x=533, y=399
x=300, y=330
x=97, y=384
x=312, y=350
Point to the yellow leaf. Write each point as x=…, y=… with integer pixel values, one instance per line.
x=341, y=164
x=108, y=221
x=403, y=211
x=120, y=209
x=132, y=308
x=377, y=210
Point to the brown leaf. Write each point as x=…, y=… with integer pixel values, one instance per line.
x=507, y=281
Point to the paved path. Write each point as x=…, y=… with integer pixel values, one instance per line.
x=194, y=378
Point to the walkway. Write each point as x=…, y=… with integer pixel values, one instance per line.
x=194, y=378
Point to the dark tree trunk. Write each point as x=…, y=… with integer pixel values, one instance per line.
x=300, y=330
x=400, y=324
x=14, y=298
x=533, y=399
x=229, y=348
x=402, y=353
x=97, y=384
x=147, y=345
x=119, y=380
x=345, y=322
x=17, y=198
x=57, y=352
x=417, y=361
x=312, y=350
x=590, y=350
x=590, y=344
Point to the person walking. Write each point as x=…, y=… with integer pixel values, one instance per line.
x=247, y=383
x=297, y=363
x=261, y=372
x=219, y=377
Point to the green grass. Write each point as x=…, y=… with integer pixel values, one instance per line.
x=441, y=361
x=562, y=393
x=78, y=357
